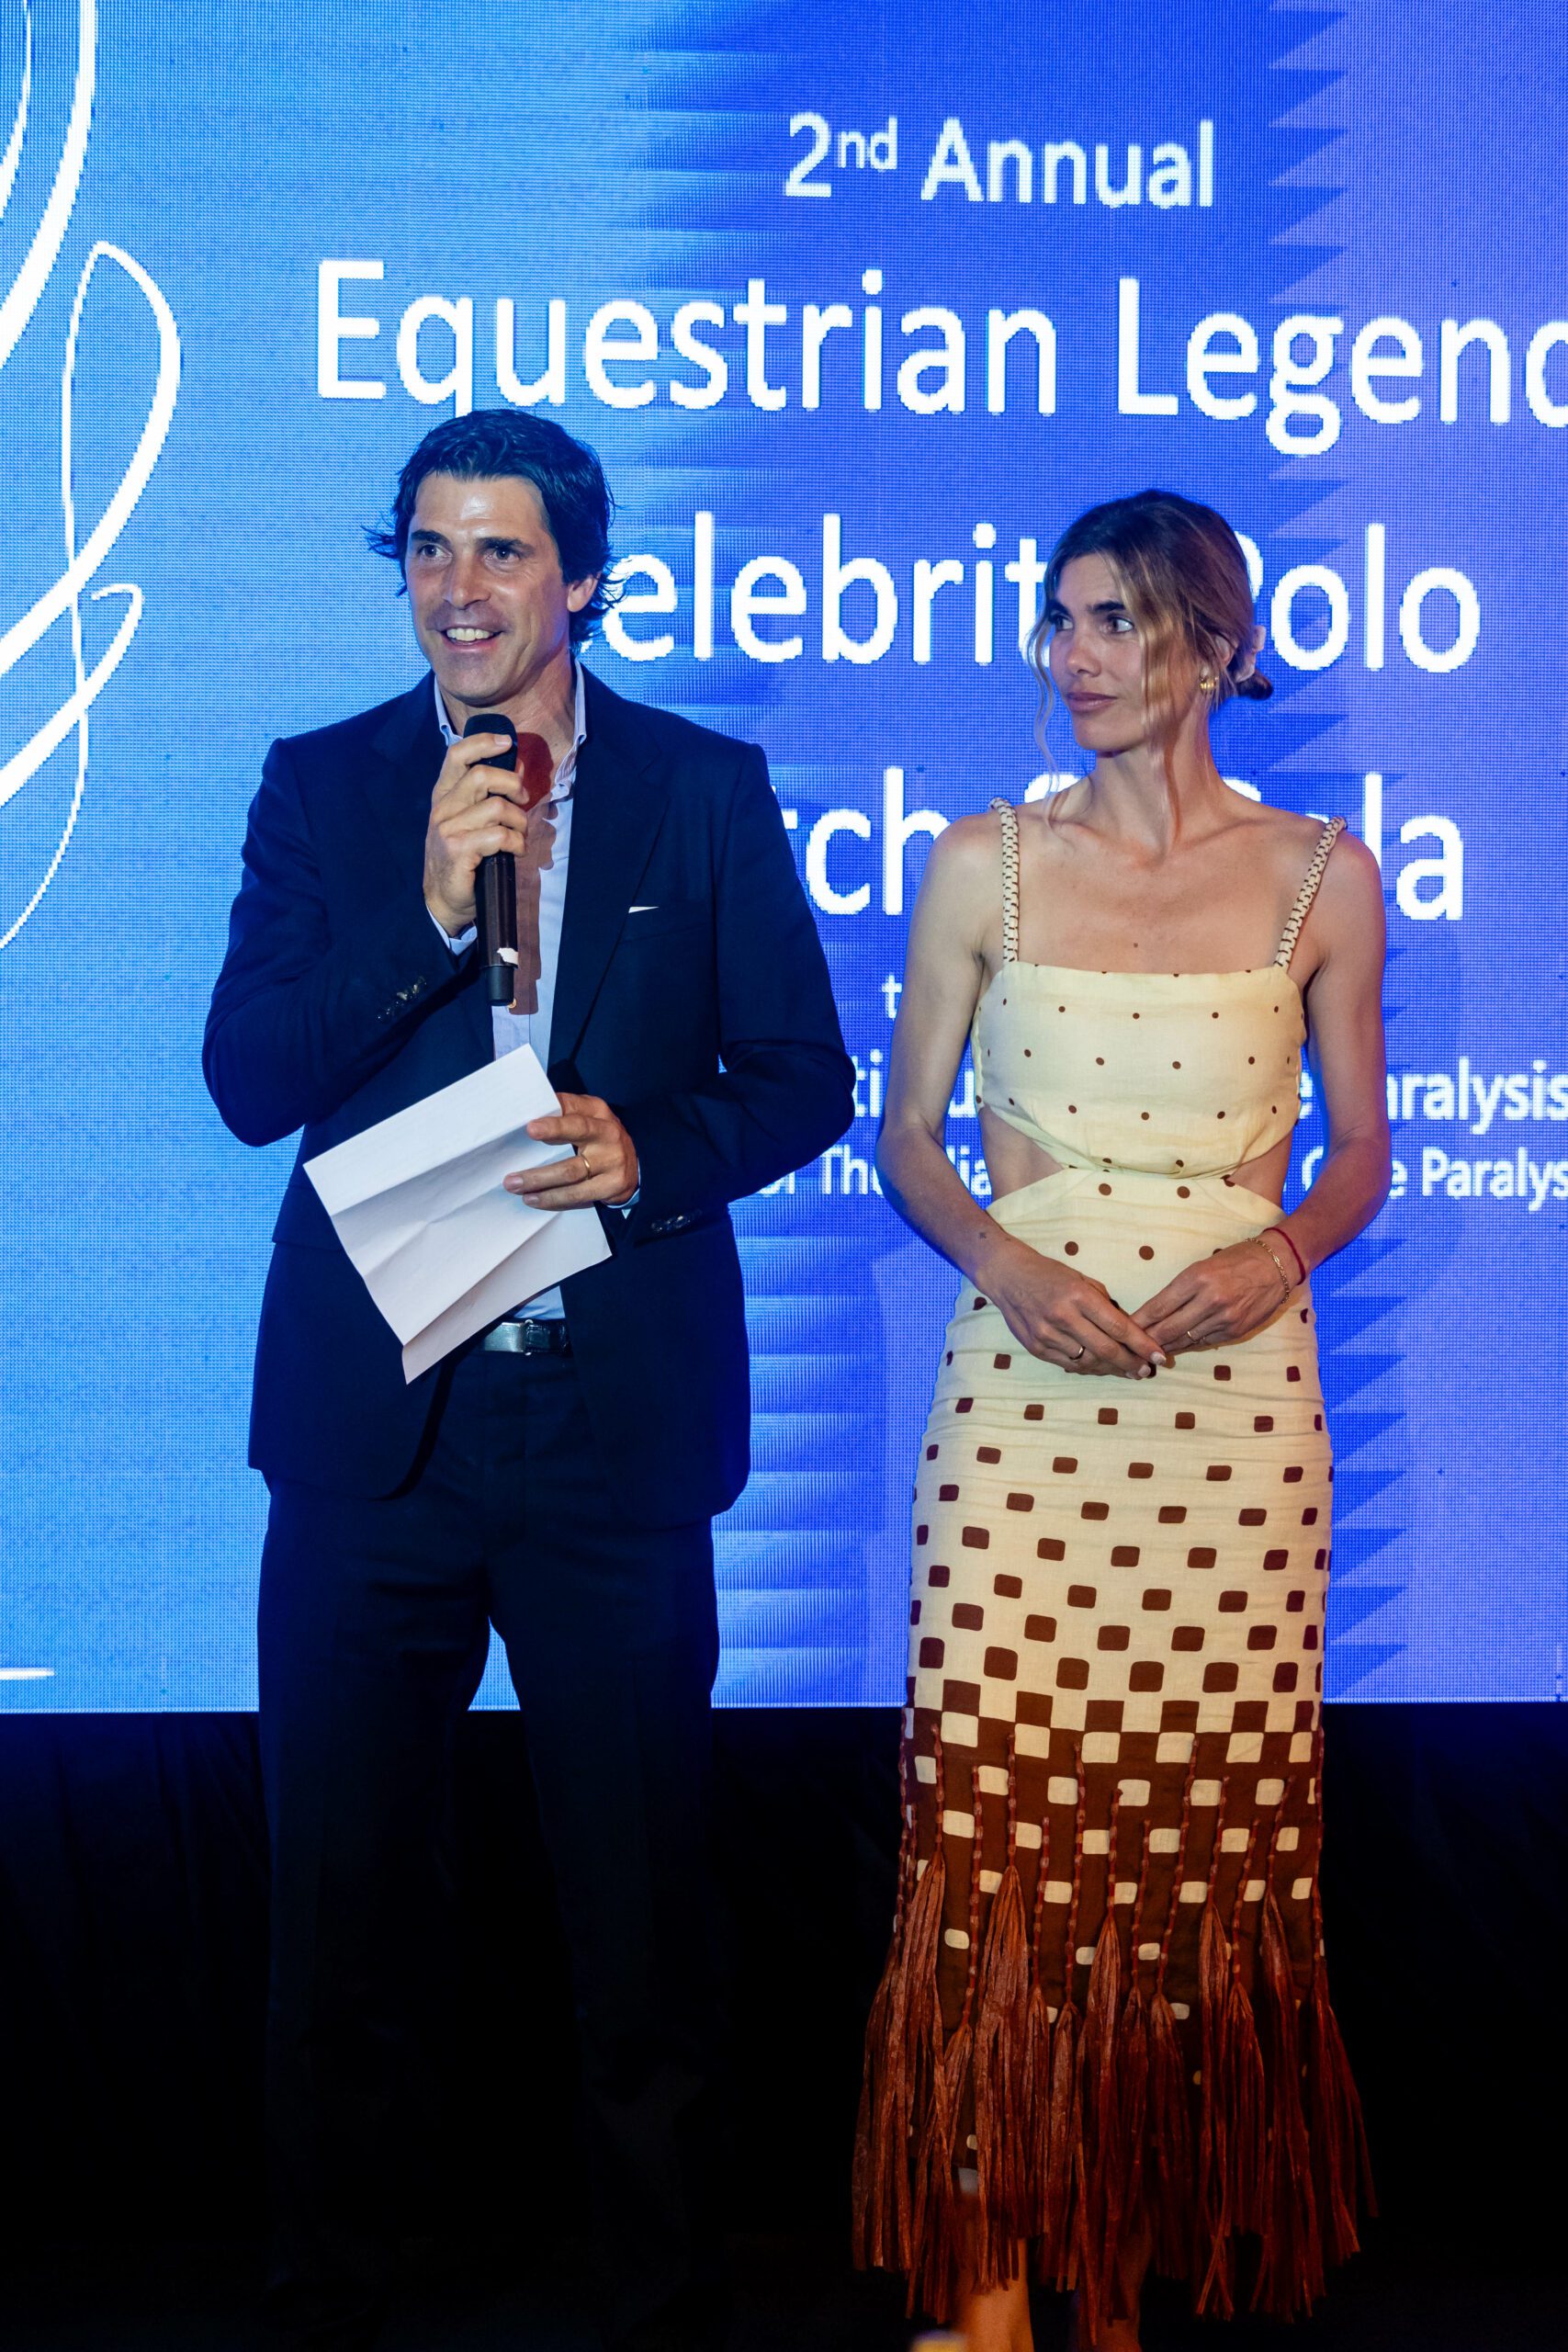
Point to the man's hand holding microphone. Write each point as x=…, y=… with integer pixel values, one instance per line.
x=481, y=809
x=476, y=811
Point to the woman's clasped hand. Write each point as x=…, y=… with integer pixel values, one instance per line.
x=1220, y=1299
x=1071, y=1320
x=1067, y=1319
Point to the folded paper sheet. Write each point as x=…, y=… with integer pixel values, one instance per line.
x=417, y=1203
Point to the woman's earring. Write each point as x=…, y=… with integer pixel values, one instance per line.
x=1207, y=682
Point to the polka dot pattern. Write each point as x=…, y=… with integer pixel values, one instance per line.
x=1156, y=1085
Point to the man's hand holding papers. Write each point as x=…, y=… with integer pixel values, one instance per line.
x=421, y=1204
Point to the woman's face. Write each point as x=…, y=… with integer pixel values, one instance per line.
x=1097, y=658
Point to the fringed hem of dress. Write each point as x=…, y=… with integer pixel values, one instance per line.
x=1232, y=2142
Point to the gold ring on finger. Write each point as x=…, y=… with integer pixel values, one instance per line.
x=587, y=1163
x=1083, y=1349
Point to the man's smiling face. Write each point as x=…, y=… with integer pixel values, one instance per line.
x=490, y=609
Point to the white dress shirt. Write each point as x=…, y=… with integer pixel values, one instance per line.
x=511, y=1029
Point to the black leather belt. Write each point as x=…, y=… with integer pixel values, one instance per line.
x=528, y=1337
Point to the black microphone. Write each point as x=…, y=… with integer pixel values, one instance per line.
x=495, y=885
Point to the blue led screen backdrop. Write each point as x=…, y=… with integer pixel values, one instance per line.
x=860, y=303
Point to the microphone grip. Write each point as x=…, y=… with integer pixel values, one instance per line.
x=497, y=906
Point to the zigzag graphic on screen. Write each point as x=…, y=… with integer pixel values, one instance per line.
x=1346, y=1312
x=62, y=600
x=1309, y=194
x=1312, y=119
x=792, y=1555
x=1354, y=1293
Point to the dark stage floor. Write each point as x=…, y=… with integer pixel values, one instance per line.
x=133, y=2100
x=793, y=2294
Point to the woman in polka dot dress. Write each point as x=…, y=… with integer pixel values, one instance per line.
x=1103, y=2040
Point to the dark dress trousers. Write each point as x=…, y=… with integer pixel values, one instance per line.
x=563, y=1498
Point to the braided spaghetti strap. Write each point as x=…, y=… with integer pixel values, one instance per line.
x=1307, y=893
x=1009, y=816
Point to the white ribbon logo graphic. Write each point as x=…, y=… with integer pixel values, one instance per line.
x=82, y=563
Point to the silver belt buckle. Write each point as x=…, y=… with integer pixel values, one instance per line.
x=522, y=1336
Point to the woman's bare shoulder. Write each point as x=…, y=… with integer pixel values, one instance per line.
x=978, y=833
x=1281, y=829
x=1345, y=925
x=1287, y=844
x=1351, y=888
x=1296, y=841
x=968, y=852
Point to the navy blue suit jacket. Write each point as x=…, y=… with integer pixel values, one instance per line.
x=707, y=1023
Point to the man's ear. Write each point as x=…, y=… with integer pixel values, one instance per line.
x=580, y=591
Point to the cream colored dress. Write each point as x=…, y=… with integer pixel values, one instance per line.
x=1104, y=2012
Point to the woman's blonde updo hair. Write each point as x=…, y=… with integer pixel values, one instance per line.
x=1183, y=580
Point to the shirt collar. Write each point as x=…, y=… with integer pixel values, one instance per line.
x=566, y=769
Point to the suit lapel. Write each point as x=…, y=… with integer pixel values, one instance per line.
x=397, y=805
x=618, y=801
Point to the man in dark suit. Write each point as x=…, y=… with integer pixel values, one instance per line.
x=557, y=1477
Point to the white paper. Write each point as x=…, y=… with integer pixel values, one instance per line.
x=418, y=1203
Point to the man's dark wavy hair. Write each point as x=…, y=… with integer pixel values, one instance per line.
x=493, y=442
